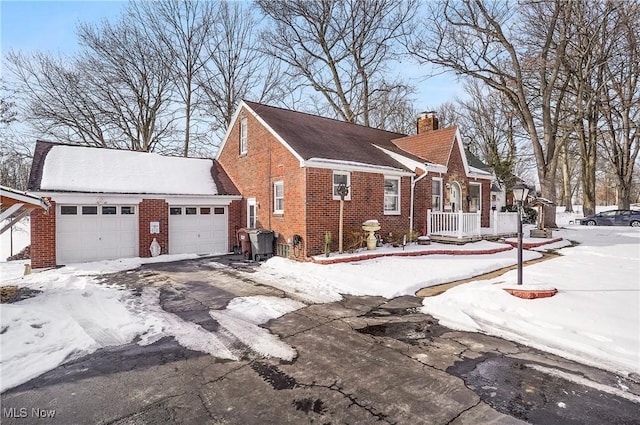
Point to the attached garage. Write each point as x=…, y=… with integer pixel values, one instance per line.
x=95, y=232
x=198, y=229
x=108, y=204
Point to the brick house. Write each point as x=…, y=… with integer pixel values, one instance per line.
x=288, y=166
x=107, y=204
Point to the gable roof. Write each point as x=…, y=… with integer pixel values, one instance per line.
x=475, y=162
x=312, y=137
x=433, y=145
x=71, y=168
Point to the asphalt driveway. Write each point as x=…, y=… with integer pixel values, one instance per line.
x=360, y=360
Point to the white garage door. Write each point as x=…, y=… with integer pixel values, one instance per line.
x=96, y=232
x=198, y=230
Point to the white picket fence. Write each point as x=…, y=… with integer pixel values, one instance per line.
x=463, y=225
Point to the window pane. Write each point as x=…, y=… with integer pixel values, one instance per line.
x=68, y=210
x=339, y=178
x=205, y=210
x=218, y=210
x=127, y=210
x=89, y=210
x=391, y=194
x=190, y=210
x=243, y=136
x=435, y=203
x=435, y=187
x=391, y=187
x=175, y=210
x=109, y=210
x=278, y=197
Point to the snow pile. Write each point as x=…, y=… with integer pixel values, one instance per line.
x=84, y=169
x=595, y=317
x=73, y=317
x=386, y=276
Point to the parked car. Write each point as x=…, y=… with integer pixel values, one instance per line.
x=613, y=218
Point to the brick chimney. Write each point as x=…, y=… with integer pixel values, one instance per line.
x=427, y=121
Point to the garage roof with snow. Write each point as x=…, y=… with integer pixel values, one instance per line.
x=69, y=168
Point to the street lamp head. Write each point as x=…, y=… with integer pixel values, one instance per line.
x=520, y=192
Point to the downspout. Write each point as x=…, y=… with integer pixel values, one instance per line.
x=413, y=189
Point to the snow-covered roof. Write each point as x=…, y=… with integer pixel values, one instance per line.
x=83, y=169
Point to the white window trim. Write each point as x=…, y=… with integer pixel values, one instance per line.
x=243, y=136
x=396, y=211
x=252, y=202
x=333, y=185
x=275, y=198
x=441, y=194
x=479, y=194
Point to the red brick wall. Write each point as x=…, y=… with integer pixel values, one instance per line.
x=153, y=210
x=235, y=221
x=254, y=173
x=43, y=237
x=367, y=202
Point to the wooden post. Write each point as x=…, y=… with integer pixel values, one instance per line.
x=340, y=225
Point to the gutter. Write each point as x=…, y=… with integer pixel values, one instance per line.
x=413, y=189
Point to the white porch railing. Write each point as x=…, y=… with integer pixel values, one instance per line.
x=456, y=224
x=461, y=225
x=504, y=222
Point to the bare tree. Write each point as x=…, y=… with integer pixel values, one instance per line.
x=15, y=158
x=523, y=62
x=115, y=93
x=341, y=50
x=57, y=100
x=184, y=30
x=621, y=103
x=490, y=130
x=589, y=48
x=235, y=68
x=131, y=81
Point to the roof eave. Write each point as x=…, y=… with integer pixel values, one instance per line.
x=334, y=164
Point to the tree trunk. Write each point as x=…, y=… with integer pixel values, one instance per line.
x=566, y=182
x=548, y=189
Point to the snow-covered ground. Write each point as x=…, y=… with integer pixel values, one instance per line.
x=595, y=317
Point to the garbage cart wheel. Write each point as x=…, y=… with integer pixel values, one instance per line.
x=247, y=255
x=257, y=257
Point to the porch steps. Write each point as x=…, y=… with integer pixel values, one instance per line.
x=454, y=240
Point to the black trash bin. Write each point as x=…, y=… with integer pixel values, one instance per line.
x=261, y=243
x=244, y=242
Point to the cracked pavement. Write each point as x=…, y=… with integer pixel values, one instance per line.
x=360, y=360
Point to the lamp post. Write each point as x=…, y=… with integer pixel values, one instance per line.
x=520, y=192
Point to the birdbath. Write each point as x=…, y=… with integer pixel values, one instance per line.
x=371, y=226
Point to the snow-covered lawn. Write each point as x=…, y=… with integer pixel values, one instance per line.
x=595, y=317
